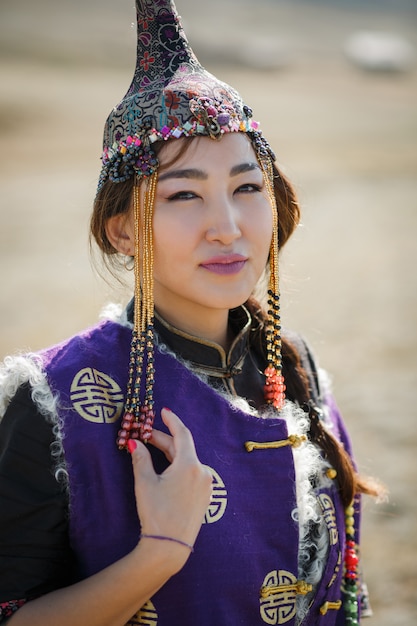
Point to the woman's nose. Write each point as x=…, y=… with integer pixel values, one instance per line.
x=223, y=222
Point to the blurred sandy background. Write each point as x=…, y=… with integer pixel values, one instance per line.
x=348, y=139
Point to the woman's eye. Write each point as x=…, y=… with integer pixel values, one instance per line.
x=182, y=195
x=248, y=188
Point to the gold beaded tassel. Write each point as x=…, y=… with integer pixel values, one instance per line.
x=139, y=416
x=274, y=388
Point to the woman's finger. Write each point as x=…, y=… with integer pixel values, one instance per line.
x=142, y=461
x=163, y=442
x=180, y=439
x=183, y=442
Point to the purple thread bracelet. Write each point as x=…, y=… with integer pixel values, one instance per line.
x=163, y=538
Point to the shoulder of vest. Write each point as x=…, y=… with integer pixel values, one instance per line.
x=104, y=333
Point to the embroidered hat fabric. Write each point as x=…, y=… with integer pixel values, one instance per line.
x=171, y=96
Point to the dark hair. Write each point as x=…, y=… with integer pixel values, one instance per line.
x=115, y=198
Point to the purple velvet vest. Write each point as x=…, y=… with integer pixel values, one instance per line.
x=247, y=546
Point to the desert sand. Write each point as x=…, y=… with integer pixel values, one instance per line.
x=345, y=136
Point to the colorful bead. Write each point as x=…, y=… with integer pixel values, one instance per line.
x=223, y=119
x=350, y=520
x=274, y=387
x=351, y=560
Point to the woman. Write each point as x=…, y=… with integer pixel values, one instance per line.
x=243, y=504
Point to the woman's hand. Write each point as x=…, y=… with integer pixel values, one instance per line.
x=172, y=504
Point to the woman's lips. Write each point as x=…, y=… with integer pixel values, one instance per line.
x=228, y=264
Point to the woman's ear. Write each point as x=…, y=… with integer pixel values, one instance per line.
x=120, y=233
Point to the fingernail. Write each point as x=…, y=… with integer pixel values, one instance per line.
x=165, y=408
x=131, y=445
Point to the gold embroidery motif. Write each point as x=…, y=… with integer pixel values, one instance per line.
x=146, y=616
x=218, y=500
x=278, y=595
x=329, y=517
x=96, y=397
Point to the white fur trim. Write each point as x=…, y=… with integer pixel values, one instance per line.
x=115, y=313
x=310, y=469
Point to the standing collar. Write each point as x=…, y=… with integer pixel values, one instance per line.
x=205, y=356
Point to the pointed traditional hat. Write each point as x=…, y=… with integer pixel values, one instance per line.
x=171, y=96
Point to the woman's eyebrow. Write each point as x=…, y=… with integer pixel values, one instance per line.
x=185, y=173
x=197, y=174
x=244, y=167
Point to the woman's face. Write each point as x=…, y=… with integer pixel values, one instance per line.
x=212, y=228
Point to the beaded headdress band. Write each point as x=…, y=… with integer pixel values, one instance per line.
x=173, y=96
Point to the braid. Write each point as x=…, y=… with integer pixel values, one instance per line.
x=299, y=388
